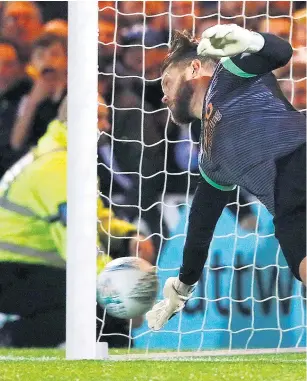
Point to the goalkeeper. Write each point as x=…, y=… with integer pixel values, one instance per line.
x=33, y=242
x=251, y=137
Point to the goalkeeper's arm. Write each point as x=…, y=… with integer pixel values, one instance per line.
x=207, y=206
x=275, y=53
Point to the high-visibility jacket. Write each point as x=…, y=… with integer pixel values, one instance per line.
x=33, y=205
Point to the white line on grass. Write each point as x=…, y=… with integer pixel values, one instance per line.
x=24, y=358
x=181, y=359
x=208, y=355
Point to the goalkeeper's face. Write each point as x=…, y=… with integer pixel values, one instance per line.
x=178, y=93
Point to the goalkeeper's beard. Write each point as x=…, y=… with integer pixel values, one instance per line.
x=180, y=112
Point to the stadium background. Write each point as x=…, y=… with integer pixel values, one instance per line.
x=132, y=46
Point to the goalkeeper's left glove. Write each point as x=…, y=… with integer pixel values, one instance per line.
x=176, y=294
x=229, y=40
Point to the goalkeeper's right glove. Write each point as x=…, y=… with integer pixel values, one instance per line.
x=176, y=294
x=229, y=40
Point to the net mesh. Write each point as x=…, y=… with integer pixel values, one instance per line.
x=247, y=297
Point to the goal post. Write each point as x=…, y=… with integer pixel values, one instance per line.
x=82, y=180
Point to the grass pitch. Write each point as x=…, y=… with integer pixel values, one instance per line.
x=43, y=365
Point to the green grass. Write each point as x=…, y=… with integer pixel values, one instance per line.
x=41, y=365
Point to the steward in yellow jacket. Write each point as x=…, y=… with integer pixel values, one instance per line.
x=33, y=241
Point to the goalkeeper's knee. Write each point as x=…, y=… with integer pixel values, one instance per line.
x=303, y=271
x=298, y=268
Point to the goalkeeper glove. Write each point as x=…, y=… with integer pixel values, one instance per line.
x=176, y=294
x=229, y=40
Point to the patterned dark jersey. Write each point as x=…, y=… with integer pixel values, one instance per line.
x=247, y=125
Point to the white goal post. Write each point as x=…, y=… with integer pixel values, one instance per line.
x=82, y=180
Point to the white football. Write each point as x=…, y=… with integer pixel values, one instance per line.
x=127, y=287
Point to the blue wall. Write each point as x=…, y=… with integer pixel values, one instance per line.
x=241, y=308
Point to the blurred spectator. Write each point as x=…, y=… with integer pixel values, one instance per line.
x=157, y=16
x=13, y=86
x=139, y=138
x=132, y=13
x=255, y=8
x=183, y=14
x=136, y=61
x=39, y=107
x=104, y=149
x=231, y=12
x=295, y=88
x=279, y=8
x=106, y=45
x=22, y=23
x=53, y=10
x=280, y=26
x=107, y=163
x=56, y=26
x=33, y=250
x=107, y=11
x=143, y=130
x=299, y=29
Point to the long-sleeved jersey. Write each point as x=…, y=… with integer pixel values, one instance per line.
x=247, y=125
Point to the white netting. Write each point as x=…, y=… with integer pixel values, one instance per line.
x=247, y=297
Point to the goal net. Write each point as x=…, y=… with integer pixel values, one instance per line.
x=246, y=297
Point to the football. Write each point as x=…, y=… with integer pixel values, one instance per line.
x=127, y=287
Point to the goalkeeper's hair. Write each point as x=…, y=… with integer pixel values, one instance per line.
x=183, y=50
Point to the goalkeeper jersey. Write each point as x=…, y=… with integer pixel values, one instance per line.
x=247, y=125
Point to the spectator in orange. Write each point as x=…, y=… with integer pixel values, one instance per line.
x=299, y=29
x=106, y=44
x=280, y=26
x=231, y=12
x=156, y=15
x=132, y=12
x=279, y=8
x=22, y=23
x=40, y=106
x=183, y=13
x=106, y=11
x=295, y=87
x=13, y=86
x=56, y=26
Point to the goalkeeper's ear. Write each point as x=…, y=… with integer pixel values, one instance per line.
x=194, y=69
x=198, y=69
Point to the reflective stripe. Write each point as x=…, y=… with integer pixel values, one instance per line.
x=53, y=258
x=19, y=209
x=26, y=212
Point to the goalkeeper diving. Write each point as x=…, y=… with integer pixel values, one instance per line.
x=251, y=137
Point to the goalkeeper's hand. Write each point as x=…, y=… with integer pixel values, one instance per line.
x=176, y=294
x=229, y=40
